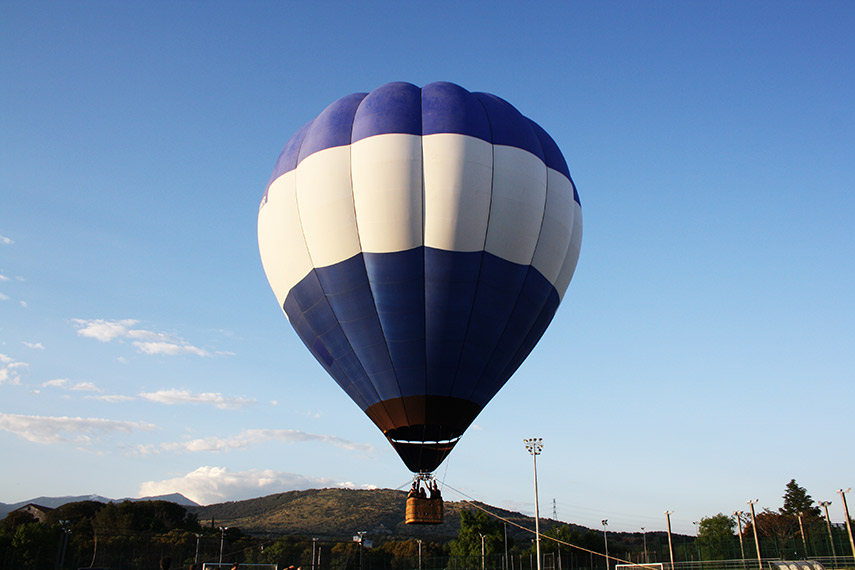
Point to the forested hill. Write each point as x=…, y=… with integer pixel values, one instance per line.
x=343, y=512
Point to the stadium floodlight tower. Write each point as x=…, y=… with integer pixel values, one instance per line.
x=223, y=530
x=846, y=512
x=314, y=546
x=534, y=446
x=670, y=544
x=824, y=505
x=751, y=503
x=361, y=534
x=606, y=542
x=644, y=531
x=738, y=516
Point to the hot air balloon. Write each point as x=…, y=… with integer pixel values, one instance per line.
x=419, y=241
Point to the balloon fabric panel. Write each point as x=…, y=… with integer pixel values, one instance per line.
x=441, y=228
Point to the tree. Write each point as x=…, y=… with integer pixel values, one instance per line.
x=286, y=551
x=714, y=533
x=797, y=501
x=564, y=535
x=472, y=525
x=34, y=540
x=405, y=553
x=717, y=527
x=145, y=516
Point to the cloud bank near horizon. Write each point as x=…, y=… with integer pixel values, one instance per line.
x=208, y=484
x=249, y=437
x=80, y=431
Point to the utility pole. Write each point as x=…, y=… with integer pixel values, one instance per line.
x=824, y=505
x=751, y=503
x=506, y=547
x=670, y=545
x=846, y=512
x=738, y=515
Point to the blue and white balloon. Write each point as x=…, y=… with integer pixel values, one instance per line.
x=419, y=242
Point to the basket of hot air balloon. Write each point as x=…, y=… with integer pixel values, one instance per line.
x=420, y=240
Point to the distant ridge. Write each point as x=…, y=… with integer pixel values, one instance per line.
x=54, y=502
x=342, y=512
x=338, y=514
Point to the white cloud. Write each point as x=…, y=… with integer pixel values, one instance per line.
x=6, y=241
x=65, y=384
x=3, y=277
x=249, y=437
x=45, y=429
x=145, y=341
x=103, y=330
x=169, y=348
x=175, y=396
x=111, y=398
x=34, y=345
x=9, y=369
x=23, y=304
x=208, y=484
x=85, y=387
x=4, y=297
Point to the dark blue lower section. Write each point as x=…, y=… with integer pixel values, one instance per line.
x=421, y=322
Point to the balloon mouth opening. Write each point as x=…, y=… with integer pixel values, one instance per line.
x=423, y=456
x=450, y=441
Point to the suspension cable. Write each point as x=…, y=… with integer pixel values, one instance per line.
x=471, y=501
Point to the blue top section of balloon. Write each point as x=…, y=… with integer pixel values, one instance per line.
x=400, y=107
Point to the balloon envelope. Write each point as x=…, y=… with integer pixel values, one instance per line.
x=419, y=241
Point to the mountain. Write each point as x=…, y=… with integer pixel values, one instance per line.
x=340, y=514
x=343, y=512
x=54, y=502
x=176, y=498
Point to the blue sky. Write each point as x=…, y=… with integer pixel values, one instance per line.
x=703, y=354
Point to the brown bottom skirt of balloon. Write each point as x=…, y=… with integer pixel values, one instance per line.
x=423, y=429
